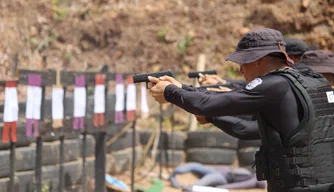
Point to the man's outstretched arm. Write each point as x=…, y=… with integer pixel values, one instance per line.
x=237, y=127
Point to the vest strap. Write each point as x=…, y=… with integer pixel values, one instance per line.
x=299, y=172
x=294, y=150
x=295, y=183
x=293, y=160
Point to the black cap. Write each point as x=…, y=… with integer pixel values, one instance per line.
x=297, y=47
x=320, y=61
x=258, y=43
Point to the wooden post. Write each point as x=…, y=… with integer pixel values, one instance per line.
x=100, y=161
x=58, y=125
x=84, y=142
x=200, y=67
x=61, y=163
x=39, y=139
x=133, y=166
x=100, y=153
x=12, y=158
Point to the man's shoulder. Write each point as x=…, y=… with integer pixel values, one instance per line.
x=269, y=81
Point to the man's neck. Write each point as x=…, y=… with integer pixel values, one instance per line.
x=272, y=67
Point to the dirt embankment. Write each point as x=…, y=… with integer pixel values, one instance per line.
x=147, y=35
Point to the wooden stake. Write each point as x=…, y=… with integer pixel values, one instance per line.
x=200, y=67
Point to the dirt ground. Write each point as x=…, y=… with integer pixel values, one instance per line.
x=185, y=179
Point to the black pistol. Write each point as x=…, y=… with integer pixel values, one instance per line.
x=195, y=74
x=138, y=78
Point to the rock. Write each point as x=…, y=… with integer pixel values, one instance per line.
x=306, y=3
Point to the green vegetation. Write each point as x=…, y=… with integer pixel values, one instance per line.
x=45, y=187
x=162, y=34
x=59, y=13
x=182, y=47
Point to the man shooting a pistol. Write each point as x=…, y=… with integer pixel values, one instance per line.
x=295, y=115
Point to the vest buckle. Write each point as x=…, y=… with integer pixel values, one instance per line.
x=279, y=183
x=293, y=161
x=277, y=172
x=303, y=183
x=292, y=151
x=297, y=172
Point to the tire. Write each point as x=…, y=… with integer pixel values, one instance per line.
x=50, y=153
x=50, y=138
x=246, y=156
x=50, y=176
x=249, y=143
x=26, y=180
x=211, y=139
x=4, y=184
x=123, y=142
x=170, y=157
x=74, y=188
x=90, y=167
x=4, y=163
x=72, y=173
x=120, y=161
x=90, y=145
x=170, y=140
x=71, y=150
x=211, y=156
x=25, y=158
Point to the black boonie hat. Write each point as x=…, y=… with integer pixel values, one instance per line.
x=320, y=61
x=258, y=43
x=297, y=47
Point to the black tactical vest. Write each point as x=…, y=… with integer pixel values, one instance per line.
x=304, y=160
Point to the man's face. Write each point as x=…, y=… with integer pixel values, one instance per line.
x=329, y=77
x=295, y=58
x=250, y=71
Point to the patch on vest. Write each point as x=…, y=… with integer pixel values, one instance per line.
x=330, y=96
x=251, y=85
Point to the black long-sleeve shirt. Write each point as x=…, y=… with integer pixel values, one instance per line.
x=236, y=84
x=241, y=127
x=271, y=96
x=237, y=127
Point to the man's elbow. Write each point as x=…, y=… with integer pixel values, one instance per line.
x=209, y=110
x=198, y=109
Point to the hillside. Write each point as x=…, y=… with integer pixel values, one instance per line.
x=147, y=35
